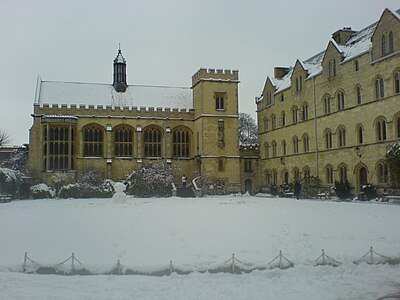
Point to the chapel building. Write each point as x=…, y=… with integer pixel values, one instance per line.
x=334, y=115
x=117, y=128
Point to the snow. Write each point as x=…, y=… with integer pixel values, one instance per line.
x=199, y=233
x=70, y=93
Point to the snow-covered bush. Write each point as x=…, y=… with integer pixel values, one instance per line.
x=393, y=159
x=41, y=191
x=153, y=180
x=342, y=189
x=9, y=181
x=69, y=191
x=369, y=192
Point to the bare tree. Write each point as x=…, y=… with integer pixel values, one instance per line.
x=4, y=137
x=247, y=129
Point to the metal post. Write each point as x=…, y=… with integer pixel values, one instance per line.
x=73, y=261
x=233, y=263
x=25, y=259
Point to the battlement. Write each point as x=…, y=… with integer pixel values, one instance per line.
x=114, y=111
x=215, y=75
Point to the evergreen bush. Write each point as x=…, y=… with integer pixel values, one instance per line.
x=342, y=189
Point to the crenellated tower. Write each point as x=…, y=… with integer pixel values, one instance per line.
x=215, y=100
x=119, y=81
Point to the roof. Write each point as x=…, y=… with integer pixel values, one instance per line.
x=69, y=93
x=357, y=45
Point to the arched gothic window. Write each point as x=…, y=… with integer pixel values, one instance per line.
x=295, y=144
x=383, y=45
x=383, y=172
x=329, y=174
x=397, y=82
x=360, y=134
x=294, y=114
x=342, y=170
x=274, y=152
x=391, y=42
x=358, y=94
x=283, y=119
x=306, y=143
x=327, y=105
x=123, y=141
x=340, y=100
x=273, y=122
x=152, y=142
x=181, y=142
x=342, y=136
x=328, y=139
x=304, y=111
x=380, y=124
x=284, y=147
x=379, y=88
x=306, y=172
x=93, y=141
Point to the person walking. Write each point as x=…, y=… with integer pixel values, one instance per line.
x=297, y=189
x=184, y=180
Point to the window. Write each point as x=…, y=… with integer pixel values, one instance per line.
x=380, y=130
x=58, y=147
x=282, y=97
x=273, y=122
x=221, y=165
x=181, y=142
x=306, y=143
x=93, y=141
x=266, y=150
x=299, y=83
x=397, y=82
x=327, y=105
x=356, y=65
x=296, y=174
x=332, y=69
x=398, y=126
x=360, y=134
x=294, y=114
x=342, y=173
x=221, y=133
x=269, y=98
x=383, y=172
x=383, y=45
x=220, y=101
x=284, y=147
x=329, y=174
x=328, y=139
x=295, y=143
x=274, y=176
x=306, y=172
x=342, y=137
x=248, y=165
x=358, y=95
x=340, y=100
x=391, y=42
x=304, y=111
x=274, y=152
x=123, y=141
x=265, y=124
x=283, y=119
x=379, y=88
x=152, y=142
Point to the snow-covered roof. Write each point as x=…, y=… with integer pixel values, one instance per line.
x=357, y=45
x=69, y=93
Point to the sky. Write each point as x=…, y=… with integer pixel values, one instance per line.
x=163, y=42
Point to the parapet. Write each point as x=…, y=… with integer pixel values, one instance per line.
x=215, y=74
x=112, y=111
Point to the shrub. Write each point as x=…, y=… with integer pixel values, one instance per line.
x=69, y=191
x=153, y=180
x=342, y=189
x=9, y=181
x=41, y=191
x=393, y=160
x=310, y=187
x=369, y=192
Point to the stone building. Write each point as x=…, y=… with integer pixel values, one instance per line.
x=117, y=128
x=335, y=114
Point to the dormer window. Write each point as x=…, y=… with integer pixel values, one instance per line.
x=383, y=45
x=299, y=84
x=220, y=101
x=391, y=42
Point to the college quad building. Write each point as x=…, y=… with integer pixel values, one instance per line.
x=117, y=128
x=332, y=116
x=335, y=114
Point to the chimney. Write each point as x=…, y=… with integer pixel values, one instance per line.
x=343, y=35
x=279, y=72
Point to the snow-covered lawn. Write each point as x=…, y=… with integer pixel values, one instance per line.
x=146, y=234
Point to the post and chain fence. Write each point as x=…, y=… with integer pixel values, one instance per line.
x=233, y=265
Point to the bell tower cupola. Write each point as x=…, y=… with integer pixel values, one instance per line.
x=119, y=82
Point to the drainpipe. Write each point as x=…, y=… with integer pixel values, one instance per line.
x=315, y=130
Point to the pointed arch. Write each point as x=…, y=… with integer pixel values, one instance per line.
x=93, y=138
x=181, y=138
x=123, y=140
x=340, y=99
x=358, y=93
x=360, y=133
x=152, y=141
x=329, y=174
x=341, y=134
x=380, y=129
x=342, y=172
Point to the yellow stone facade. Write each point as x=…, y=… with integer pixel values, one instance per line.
x=70, y=139
x=335, y=115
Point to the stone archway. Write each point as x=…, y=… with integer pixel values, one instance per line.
x=361, y=176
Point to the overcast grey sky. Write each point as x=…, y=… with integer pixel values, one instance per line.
x=164, y=42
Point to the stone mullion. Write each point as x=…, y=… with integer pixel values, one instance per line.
x=48, y=147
